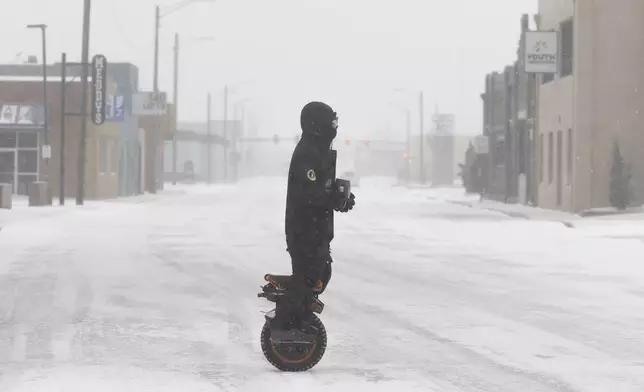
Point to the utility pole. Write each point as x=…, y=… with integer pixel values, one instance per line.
x=63, y=97
x=421, y=159
x=209, y=142
x=242, y=134
x=234, y=151
x=80, y=194
x=408, y=129
x=225, y=133
x=46, y=147
x=44, y=87
x=155, y=83
x=408, y=144
x=175, y=99
x=155, y=76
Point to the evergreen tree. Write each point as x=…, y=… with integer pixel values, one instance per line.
x=620, y=181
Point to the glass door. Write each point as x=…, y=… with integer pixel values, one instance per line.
x=8, y=167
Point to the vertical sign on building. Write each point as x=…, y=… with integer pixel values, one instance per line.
x=99, y=89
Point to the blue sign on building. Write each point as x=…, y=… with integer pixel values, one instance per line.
x=115, y=108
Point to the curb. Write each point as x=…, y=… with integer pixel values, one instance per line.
x=511, y=214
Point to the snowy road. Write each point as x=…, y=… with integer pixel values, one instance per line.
x=426, y=295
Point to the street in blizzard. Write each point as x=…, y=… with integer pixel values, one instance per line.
x=305, y=197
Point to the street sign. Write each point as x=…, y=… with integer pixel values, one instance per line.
x=46, y=151
x=99, y=88
x=444, y=124
x=541, y=52
x=148, y=103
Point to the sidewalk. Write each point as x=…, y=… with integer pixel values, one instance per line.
x=21, y=212
x=622, y=225
x=521, y=211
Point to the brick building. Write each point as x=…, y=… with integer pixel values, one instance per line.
x=22, y=138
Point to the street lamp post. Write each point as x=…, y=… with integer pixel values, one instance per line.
x=407, y=124
x=43, y=30
x=226, y=95
x=238, y=127
x=407, y=137
x=421, y=109
x=421, y=144
x=157, y=26
x=175, y=98
x=209, y=139
x=225, y=134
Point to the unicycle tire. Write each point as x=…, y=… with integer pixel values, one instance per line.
x=293, y=361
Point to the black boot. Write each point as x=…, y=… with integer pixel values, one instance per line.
x=290, y=322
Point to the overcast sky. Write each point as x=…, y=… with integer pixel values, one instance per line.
x=348, y=53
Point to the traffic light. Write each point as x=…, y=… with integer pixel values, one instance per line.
x=347, y=142
x=276, y=139
x=405, y=155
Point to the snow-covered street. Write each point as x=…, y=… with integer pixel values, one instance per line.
x=160, y=295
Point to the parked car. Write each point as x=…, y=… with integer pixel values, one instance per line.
x=351, y=176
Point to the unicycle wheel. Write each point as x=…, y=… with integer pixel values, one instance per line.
x=294, y=357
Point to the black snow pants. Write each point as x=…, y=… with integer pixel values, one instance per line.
x=308, y=264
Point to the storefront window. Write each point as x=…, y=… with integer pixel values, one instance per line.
x=28, y=161
x=27, y=140
x=7, y=139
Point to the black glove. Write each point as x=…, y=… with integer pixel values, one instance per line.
x=348, y=205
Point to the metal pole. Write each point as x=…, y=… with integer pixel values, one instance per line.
x=63, y=87
x=422, y=137
x=208, y=143
x=242, y=135
x=225, y=133
x=408, y=131
x=80, y=195
x=234, y=149
x=175, y=99
x=155, y=82
x=44, y=81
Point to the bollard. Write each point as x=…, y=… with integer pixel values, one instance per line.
x=6, y=194
x=38, y=194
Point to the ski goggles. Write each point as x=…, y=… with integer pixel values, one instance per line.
x=334, y=123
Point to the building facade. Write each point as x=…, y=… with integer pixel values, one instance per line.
x=157, y=131
x=194, y=161
x=595, y=100
x=497, y=115
x=126, y=78
x=509, y=106
x=22, y=137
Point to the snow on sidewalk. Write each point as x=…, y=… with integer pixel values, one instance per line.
x=520, y=211
x=22, y=213
x=626, y=226
x=513, y=210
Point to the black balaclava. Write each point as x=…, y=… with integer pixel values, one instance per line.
x=319, y=124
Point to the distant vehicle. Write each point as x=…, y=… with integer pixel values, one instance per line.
x=351, y=176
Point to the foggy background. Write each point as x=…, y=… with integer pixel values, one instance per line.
x=349, y=53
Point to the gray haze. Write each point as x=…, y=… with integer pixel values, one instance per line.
x=350, y=53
